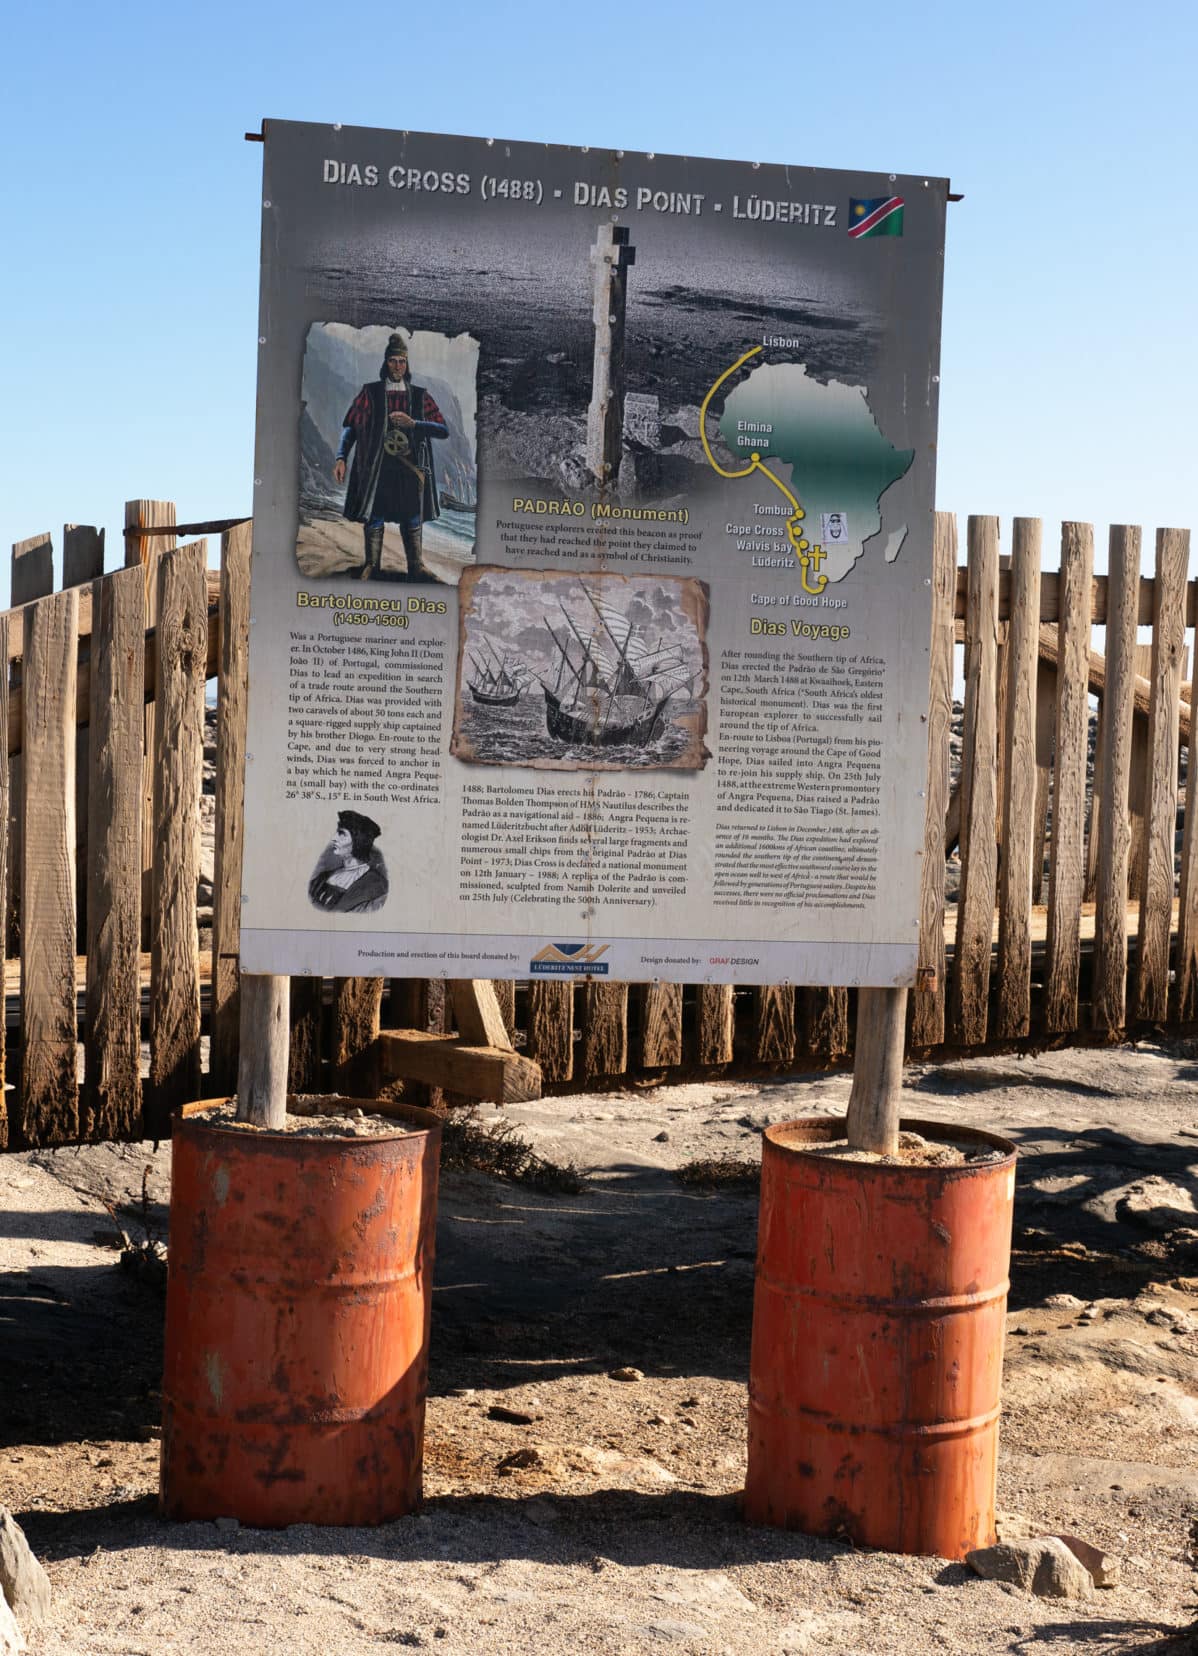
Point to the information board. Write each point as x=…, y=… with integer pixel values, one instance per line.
x=591, y=567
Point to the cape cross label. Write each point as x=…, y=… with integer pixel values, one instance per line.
x=592, y=563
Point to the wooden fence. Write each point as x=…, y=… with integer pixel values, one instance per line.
x=1076, y=917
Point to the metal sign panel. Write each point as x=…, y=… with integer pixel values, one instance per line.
x=592, y=545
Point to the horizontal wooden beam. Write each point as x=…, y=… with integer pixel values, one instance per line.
x=492, y=1074
x=1050, y=608
x=16, y=629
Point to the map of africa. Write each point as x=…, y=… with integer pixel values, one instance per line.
x=839, y=463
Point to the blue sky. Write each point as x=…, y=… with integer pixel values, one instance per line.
x=131, y=213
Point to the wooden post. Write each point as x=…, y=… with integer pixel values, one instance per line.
x=1109, y=991
x=264, y=1046
x=1017, y=735
x=873, y=1119
x=144, y=551
x=927, y=1021
x=232, y=694
x=611, y=257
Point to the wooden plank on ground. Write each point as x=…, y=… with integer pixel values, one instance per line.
x=143, y=552
x=660, y=1008
x=1067, y=875
x=551, y=1028
x=604, y=1029
x=927, y=1005
x=774, y=1024
x=1014, y=1008
x=232, y=690
x=182, y=604
x=305, y=1068
x=1160, y=804
x=493, y=1074
x=357, y=1003
x=968, y=1000
x=48, y=1108
x=476, y=1010
x=713, y=1023
x=824, y=1021
x=112, y=1106
x=1110, y=941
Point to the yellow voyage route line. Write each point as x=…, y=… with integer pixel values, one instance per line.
x=809, y=556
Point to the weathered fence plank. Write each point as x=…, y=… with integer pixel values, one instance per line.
x=927, y=1005
x=32, y=569
x=32, y=577
x=305, y=1073
x=1160, y=805
x=112, y=1068
x=1067, y=875
x=968, y=1009
x=182, y=626
x=48, y=1111
x=660, y=1006
x=1114, y=835
x=505, y=995
x=824, y=1022
x=231, y=697
x=604, y=1029
x=1046, y=710
x=82, y=562
x=357, y=1004
x=82, y=554
x=774, y=1024
x=551, y=1028
x=1014, y=1009
x=143, y=552
x=4, y=868
x=713, y=1023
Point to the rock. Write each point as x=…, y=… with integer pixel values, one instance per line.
x=1044, y=1566
x=661, y=1138
x=631, y=1375
x=1065, y=1302
x=667, y=1630
x=24, y=1585
x=520, y=1460
x=1104, y=1569
x=11, y=1642
x=1157, y=1204
x=642, y=419
x=513, y=1417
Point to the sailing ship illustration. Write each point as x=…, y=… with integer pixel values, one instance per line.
x=494, y=683
x=613, y=686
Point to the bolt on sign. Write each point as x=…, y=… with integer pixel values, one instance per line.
x=592, y=545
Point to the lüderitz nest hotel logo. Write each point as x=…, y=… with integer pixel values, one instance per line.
x=570, y=960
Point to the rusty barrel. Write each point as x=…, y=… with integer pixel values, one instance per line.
x=299, y=1294
x=878, y=1320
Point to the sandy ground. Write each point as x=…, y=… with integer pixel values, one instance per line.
x=622, y=1534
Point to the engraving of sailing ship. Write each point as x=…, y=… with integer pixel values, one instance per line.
x=614, y=685
x=493, y=682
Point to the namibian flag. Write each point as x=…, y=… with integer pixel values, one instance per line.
x=880, y=216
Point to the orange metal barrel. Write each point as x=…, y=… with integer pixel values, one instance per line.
x=878, y=1322
x=297, y=1319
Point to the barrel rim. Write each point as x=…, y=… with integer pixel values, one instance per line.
x=819, y=1129
x=412, y=1123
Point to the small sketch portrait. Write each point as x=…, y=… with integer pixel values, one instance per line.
x=350, y=876
x=388, y=475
